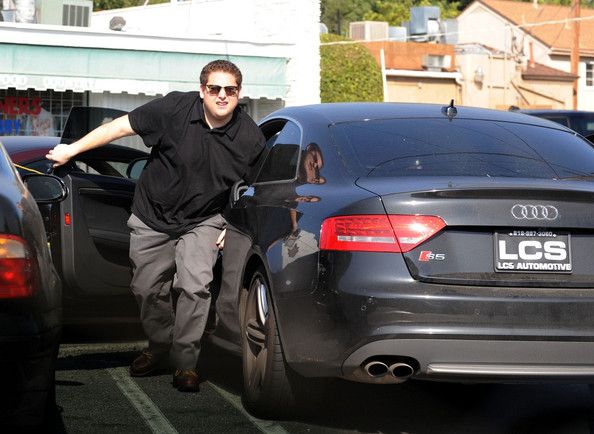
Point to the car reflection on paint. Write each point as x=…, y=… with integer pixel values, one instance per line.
x=386, y=242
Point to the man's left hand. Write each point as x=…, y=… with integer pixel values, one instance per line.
x=221, y=240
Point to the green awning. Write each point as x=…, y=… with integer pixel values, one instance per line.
x=129, y=71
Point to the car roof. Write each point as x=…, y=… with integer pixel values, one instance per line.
x=16, y=144
x=333, y=113
x=26, y=148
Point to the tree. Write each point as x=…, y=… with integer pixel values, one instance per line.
x=348, y=72
x=337, y=14
x=395, y=12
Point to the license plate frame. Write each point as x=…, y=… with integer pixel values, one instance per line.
x=532, y=251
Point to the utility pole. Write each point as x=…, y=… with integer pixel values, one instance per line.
x=575, y=49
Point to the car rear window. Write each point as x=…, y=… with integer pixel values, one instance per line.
x=461, y=147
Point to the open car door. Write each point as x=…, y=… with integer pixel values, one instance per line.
x=94, y=238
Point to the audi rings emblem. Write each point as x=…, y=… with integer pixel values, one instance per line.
x=534, y=212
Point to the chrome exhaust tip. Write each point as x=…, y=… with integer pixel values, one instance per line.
x=376, y=369
x=402, y=371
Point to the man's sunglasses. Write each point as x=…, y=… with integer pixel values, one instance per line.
x=214, y=89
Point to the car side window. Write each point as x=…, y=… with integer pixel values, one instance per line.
x=102, y=167
x=283, y=157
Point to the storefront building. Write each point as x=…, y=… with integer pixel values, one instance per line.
x=47, y=69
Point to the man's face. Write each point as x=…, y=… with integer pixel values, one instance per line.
x=312, y=164
x=219, y=105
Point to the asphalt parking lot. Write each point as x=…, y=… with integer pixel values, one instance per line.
x=96, y=395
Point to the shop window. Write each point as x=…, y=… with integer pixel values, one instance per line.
x=589, y=74
x=36, y=113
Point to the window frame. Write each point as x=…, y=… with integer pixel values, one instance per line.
x=274, y=128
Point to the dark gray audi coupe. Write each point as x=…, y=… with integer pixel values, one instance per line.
x=386, y=242
x=380, y=243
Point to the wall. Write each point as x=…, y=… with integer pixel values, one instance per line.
x=545, y=94
x=480, y=25
x=409, y=55
x=492, y=92
x=422, y=90
x=504, y=86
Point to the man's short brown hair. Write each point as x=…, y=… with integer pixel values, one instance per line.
x=220, y=65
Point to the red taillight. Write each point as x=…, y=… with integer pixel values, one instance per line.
x=16, y=268
x=67, y=220
x=412, y=230
x=378, y=233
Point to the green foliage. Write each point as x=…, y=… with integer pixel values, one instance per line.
x=348, y=72
x=101, y=5
x=395, y=12
x=337, y=14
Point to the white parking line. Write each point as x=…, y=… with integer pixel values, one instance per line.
x=146, y=408
x=72, y=350
x=266, y=426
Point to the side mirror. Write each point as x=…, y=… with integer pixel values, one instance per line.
x=135, y=168
x=45, y=188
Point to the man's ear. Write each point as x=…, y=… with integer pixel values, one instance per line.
x=201, y=90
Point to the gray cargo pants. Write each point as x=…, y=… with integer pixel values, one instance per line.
x=171, y=283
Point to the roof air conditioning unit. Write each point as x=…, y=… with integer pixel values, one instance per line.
x=433, y=62
x=65, y=12
x=368, y=30
x=397, y=33
x=424, y=23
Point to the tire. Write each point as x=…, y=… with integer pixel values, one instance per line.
x=268, y=383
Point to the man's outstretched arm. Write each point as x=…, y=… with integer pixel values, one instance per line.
x=100, y=136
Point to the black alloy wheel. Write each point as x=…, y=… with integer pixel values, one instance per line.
x=267, y=380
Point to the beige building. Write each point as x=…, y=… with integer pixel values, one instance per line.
x=418, y=72
x=492, y=79
x=518, y=53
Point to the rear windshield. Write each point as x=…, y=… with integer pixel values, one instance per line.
x=461, y=147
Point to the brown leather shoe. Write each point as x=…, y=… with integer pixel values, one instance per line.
x=148, y=363
x=186, y=380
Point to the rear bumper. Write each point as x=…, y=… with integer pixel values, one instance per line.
x=481, y=360
x=367, y=306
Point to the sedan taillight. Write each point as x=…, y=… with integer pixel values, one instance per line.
x=17, y=272
x=378, y=233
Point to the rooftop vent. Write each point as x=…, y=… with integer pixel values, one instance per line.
x=368, y=30
x=432, y=62
x=65, y=12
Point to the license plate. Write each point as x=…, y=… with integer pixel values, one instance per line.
x=528, y=251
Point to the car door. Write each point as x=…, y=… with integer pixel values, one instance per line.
x=262, y=211
x=92, y=252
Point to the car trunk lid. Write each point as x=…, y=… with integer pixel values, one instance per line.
x=508, y=232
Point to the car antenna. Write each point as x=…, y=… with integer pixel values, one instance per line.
x=449, y=110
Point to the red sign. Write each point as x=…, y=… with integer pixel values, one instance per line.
x=12, y=105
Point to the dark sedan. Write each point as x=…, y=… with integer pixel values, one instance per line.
x=30, y=300
x=383, y=242
x=582, y=122
x=88, y=235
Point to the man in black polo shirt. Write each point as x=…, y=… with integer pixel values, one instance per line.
x=201, y=144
